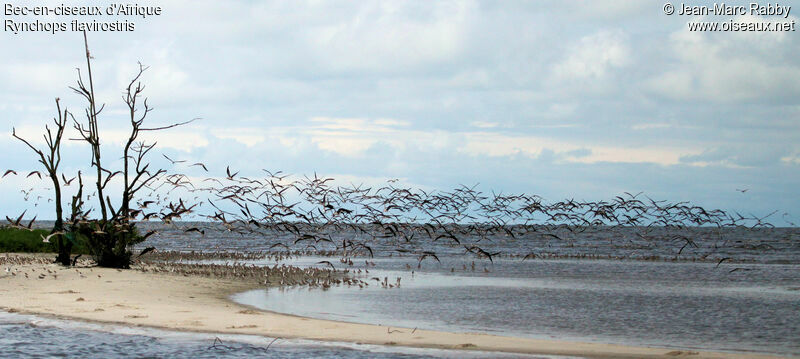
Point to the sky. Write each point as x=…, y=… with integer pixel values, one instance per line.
x=563, y=99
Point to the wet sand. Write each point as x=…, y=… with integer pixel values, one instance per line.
x=202, y=304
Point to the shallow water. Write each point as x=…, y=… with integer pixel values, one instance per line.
x=680, y=305
x=27, y=336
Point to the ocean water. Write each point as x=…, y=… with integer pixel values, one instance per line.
x=760, y=245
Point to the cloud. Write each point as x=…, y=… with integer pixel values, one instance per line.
x=713, y=67
x=650, y=126
x=493, y=144
x=247, y=136
x=594, y=56
x=352, y=137
x=740, y=156
x=609, y=10
x=397, y=35
x=482, y=124
x=36, y=76
x=792, y=159
x=358, y=137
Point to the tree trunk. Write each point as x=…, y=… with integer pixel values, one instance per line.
x=64, y=245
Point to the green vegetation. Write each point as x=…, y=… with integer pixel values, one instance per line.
x=109, y=244
x=24, y=241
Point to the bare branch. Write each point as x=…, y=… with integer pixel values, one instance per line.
x=170, y=126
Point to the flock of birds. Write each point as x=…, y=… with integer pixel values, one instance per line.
x=278, y=275
x=313, y=213
x=36, y=267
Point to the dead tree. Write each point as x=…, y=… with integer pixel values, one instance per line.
x=140, y=175
x=89, y=133
x=51, y=160
x=111, y=237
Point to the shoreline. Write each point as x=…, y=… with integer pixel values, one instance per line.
x=203, y=305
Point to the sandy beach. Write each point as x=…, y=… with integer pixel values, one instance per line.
x=200, y=304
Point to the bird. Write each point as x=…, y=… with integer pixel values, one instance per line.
x=228, y=172
x=146, y=203
x=47, y=239
x=173, y=161
x=195, y=229
x=67, y=182
x=327, y=262
x=16, y=223
x=530, y=255
x=146, y=250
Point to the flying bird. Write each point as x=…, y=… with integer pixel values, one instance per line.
x=47, y=239
x=171, y=160
x=195, y=229
x=67, y=181
x=327, y=262
x=228, y=171
x=146, y=250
